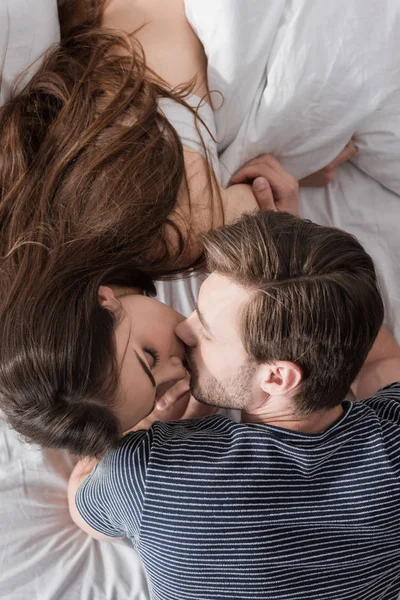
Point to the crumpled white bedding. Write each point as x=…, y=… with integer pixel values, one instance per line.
x=27, y=29
x=299, y=78
x=332, y=70
x=43, y=555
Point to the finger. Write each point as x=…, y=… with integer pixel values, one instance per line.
x=348, y=152
x=262, y=162
x=265, y=159
x=173, y=394
x=243, y=174
x=174, y=411
x=284, y=187
x=281, y=185
x=271, y=161
x=352, y=149
x=263, y=193
x=285, y=191
x=253, y=171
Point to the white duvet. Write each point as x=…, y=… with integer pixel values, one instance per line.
x=299, y=78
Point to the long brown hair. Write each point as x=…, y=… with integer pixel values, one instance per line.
x=86, y=153
x=316, y=300
x=90, y=172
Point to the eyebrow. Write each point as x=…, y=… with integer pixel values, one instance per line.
x=146, y=370
x=202, y=320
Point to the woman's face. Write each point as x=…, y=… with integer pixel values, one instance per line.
x=149, y=353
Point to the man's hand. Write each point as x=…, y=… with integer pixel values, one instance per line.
x=325, y=176
x=273, y=187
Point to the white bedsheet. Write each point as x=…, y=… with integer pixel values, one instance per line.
x=43, y=555
x=359, y=204
x=27, y=29
x=319, y=93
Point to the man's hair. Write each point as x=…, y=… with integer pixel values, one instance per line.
x=316, y=301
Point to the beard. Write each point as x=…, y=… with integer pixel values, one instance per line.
x=233, y=392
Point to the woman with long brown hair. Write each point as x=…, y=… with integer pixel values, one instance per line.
x=97, y=189
x=88, y=148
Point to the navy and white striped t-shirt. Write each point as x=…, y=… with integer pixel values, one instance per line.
x=225, y=511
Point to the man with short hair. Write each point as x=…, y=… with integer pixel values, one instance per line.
x=286, y=319
x=302, y=499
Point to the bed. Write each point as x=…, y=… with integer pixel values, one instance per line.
x=308, y=99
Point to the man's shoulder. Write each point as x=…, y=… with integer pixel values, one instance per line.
x=385, y=403
x=392, y=389
x=197, y=432
x=389, y=393
x=211, y=423
x=162, y=432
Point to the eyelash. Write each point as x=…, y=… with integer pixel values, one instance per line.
x=154, y=354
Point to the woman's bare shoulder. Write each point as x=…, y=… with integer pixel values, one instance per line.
x=171, y=47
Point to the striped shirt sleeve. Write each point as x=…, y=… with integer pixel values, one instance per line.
x=386, y=403
x=111, y=499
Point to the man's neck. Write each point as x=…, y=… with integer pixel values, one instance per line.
x=316, y=422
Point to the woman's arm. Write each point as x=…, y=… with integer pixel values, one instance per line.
x=175, y=53
x=260, y=184
x=171, y=47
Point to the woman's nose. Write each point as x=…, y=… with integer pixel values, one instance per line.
x=184, y=331
x=176, y=362
x=173, y=371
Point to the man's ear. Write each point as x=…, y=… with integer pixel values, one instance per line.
x=280, y=378
x=107, y=298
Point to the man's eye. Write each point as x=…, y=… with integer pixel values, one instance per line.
x=154, y=357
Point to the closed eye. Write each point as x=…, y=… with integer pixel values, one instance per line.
x=154, y=357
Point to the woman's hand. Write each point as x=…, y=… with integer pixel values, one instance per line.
x=175, y=405
x=328, y=174
x=273, y=187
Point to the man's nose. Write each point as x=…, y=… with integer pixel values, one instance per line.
x=185, y=332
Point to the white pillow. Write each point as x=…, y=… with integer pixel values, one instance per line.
x=27, y=29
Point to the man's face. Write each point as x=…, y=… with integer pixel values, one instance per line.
x=221, y=373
